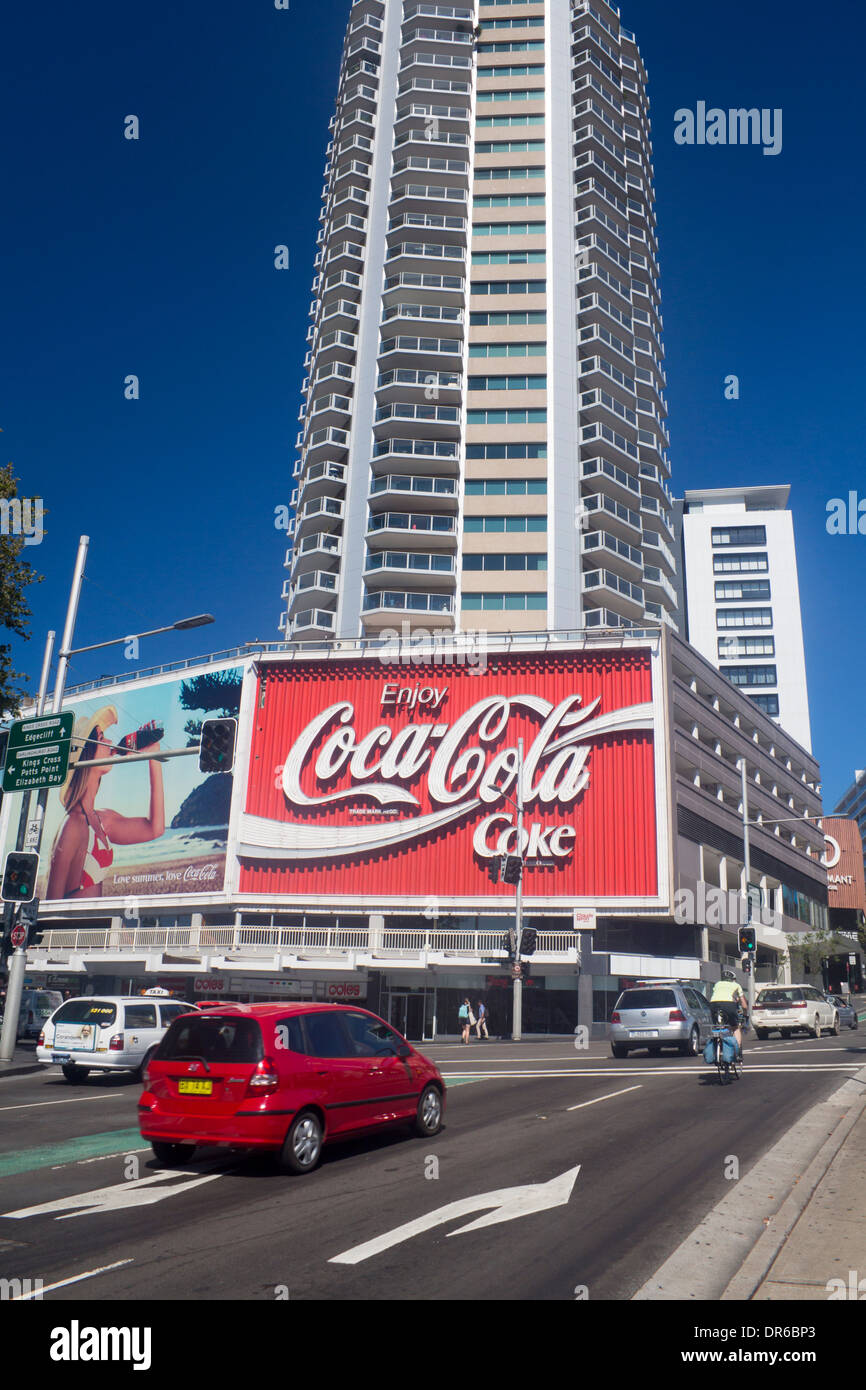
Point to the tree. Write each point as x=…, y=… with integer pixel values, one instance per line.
x=16, y=574
x=807, y=952
x=219, y=695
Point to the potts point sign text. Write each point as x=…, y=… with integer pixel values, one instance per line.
x=366, y=787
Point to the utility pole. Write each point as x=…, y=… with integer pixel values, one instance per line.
x=517, y=1001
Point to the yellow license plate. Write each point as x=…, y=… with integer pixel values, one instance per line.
x=195, y=1088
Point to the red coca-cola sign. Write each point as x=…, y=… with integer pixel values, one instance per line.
x=371, y=781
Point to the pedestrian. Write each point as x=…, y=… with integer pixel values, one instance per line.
x=463, y=1013
x=482, y=1021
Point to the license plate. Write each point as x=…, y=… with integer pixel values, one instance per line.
x=195, y=1088
x=60, y=1056
x=644, y=1033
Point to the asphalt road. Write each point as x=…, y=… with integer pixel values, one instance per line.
x=630, y=1173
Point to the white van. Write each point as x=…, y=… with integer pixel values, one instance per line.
x=106, y=1033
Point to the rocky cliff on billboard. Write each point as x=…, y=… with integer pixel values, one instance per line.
x=360, y=784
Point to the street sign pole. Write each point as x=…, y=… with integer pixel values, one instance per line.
x=517, y=1005
x=18, y=960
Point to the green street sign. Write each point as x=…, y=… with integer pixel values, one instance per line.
x=48, y=728
x=38, y=753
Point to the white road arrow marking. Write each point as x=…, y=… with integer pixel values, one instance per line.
x=141, y=1192
x=508, y=1204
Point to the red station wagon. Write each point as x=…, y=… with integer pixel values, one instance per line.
x=286, y=1078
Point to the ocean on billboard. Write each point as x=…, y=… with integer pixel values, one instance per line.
x=140, y=828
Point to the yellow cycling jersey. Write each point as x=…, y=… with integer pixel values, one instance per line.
x=724, y=990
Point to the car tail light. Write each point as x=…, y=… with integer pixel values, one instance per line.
x=615, y=1018
x=799, y=1004
x=264, y=1079
x=41, y=1042
x=676, y=1016
x=116, y=1043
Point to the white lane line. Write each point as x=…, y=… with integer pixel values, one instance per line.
x=81, y=1162
x=607, y=1097
x=689, y=1072
x=76, y=1279
x=75, y=1100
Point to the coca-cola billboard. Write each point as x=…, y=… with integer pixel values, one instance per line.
x=365, y=786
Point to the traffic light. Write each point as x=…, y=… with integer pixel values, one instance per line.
x=529, y=940
x=512, y=869
x=217, y=752
x=493, y=870
x=748, y=940
x=19, y=876
x=508, y=944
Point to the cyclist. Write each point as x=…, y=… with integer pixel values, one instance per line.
x=728, y=999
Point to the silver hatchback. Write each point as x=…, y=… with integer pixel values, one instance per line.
x=657, y=1016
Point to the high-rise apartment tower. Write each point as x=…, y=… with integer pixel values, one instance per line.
x=483, y=440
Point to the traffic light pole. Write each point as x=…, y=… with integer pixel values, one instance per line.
x=747, y=863
x=517, y=1002
x=18, y=960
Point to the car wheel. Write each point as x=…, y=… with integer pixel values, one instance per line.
x=145, y=1062
x=816, y=1029
x=171, y=1155
x=303, y=1147
x=428, y=1120
x=74, y=1073
x=692, y=1047
x=619, y=1051
x=835, y=1030
x=761, y=1033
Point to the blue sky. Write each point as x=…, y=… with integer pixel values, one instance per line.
x=156, y=257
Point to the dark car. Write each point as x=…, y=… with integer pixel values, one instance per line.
x=284, y=1078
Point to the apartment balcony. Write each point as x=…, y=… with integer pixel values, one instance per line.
x=600, y=374
x=410, y=530
x=319, y=510
x=316, y=586
x=325, y=479
x=598, y=309
x=601, y=406
x=416, y=455
x=382, y=607
x=417, y=420
x=333, y=346
x=600, y=475
x=450, y=231
x=405, y=349
x=410, y=568
x=394, y=385
x=415, y=33
x=339, y=314
x=418, y=117
x=321, y=550
x=419, y=61
x=657, y=584
x=334, y=374
x=343, y=281
x=598, y=340
x=411, y=138
x=605, y=586
x=604, y=550
x=609, y=443
x=418, y=197
x=417, y=490
x=341, y=255
x=330, y=410
x=322, y=442
x=311, y=622
x=656, y=550
x=401, y=315
x=421, y=256
x=344, y=176
x=590, y=191
x=606, y=513
x=657, y=514
x=415, y=287
x=357, y=120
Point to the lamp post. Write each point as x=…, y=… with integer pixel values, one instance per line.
x=17, y=962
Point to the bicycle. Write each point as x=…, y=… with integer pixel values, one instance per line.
x=728, y=1071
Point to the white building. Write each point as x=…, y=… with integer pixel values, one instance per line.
x=483, y=441
x=741, y=596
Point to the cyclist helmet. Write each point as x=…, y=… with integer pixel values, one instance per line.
x=728, y=975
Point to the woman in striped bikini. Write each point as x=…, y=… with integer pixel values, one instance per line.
x=83, y=852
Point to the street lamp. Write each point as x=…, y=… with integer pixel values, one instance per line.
x=18, y=960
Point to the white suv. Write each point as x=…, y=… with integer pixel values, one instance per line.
x=793, y=1008
x=106, y=1033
